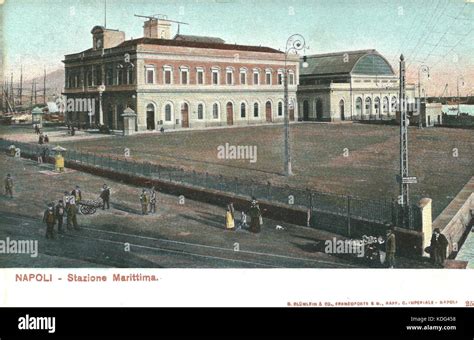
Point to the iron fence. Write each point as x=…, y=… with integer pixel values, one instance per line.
x=333, y=206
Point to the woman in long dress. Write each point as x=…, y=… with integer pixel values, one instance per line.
x=255, y=215
x=229, y=220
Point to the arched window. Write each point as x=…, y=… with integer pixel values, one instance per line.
x=385, y=106
x=243, y=110
x=255, y=110
x=377, y=106
x=368, y=106
x=319, y=109
x=359, y=106
x=280, y=108
x=168, y=112
x=215, y=111
x=341, y=109
x=200, y=111
x=394, y=104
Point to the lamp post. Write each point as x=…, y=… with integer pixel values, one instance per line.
x=294, y=43
x=422, y=69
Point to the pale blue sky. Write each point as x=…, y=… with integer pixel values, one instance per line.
x=38, y=33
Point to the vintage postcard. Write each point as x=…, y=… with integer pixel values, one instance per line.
x=138, y=136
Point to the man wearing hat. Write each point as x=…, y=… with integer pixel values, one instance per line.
x=105, y=195
x=144, y=202
x=439, y=244
x=390, y=248
x=49, y=217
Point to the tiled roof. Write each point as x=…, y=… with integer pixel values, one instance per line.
x=198, y=38
x=197, y=44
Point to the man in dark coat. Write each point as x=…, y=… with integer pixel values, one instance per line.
x=255, y=216
x=390, y=248
x=438, y=246
x=49, y=217
x=105, y=195
x=60, y=210
x=9, y=186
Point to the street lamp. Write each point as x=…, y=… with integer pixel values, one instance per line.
x=294, y=43
x=422, y=69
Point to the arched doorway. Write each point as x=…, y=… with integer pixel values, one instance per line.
x=378, y=112
x=291, y=109
x=305, y=110
x=230, y=113
x=268, y=111
x=341, y=109
x=150, y=117
x=185, y=115
x=319, y=109
x=368, y=107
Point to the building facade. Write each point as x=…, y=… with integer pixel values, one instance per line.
x=353, y=85
x=180, y=82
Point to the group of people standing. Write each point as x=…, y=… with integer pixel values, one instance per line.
x=254, y=212
x=65, y=207
x=148, y=201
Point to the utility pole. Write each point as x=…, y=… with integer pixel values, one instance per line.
x=404, y=193
x=12, y=95
x=20, y=91
x=44, y=87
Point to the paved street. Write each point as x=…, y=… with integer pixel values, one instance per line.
x=190, y=235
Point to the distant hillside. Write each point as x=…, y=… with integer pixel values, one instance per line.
x=54, y=83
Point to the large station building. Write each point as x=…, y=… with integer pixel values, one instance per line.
x=179, y=82
x=352, y=85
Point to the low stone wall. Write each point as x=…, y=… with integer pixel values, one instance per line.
x=454, y=220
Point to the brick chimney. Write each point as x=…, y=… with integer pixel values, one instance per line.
x=157, y=29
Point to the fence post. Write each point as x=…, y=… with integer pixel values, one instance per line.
x=349, y=216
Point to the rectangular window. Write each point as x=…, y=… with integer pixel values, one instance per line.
x=229, y=78
x=200, y=77
x=280, y=78
x=150, y=75
x=255, y=78
x=292, y=79
x=268, y=77
x=215, y=77
x=184, y=77
x=168, y=76
x=242, y=110
x=243, y=78
x=200, y=111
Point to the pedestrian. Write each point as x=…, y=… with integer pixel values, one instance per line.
x=40, y=155
x=9, y=186
x=255, y=217
x=40, y=140
x=229, y=220
x=73, y=131
x=144, y=202
x=438, y=246
x=46, y=139
x=60, y=210
x=105, y=195
x=153, y=200
x=243, y=221
x=77, y=194
x=71, y=213
x=45, y=154
x=390, y=248
x=37, y=131
x=49, y=218
x=162, y=130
